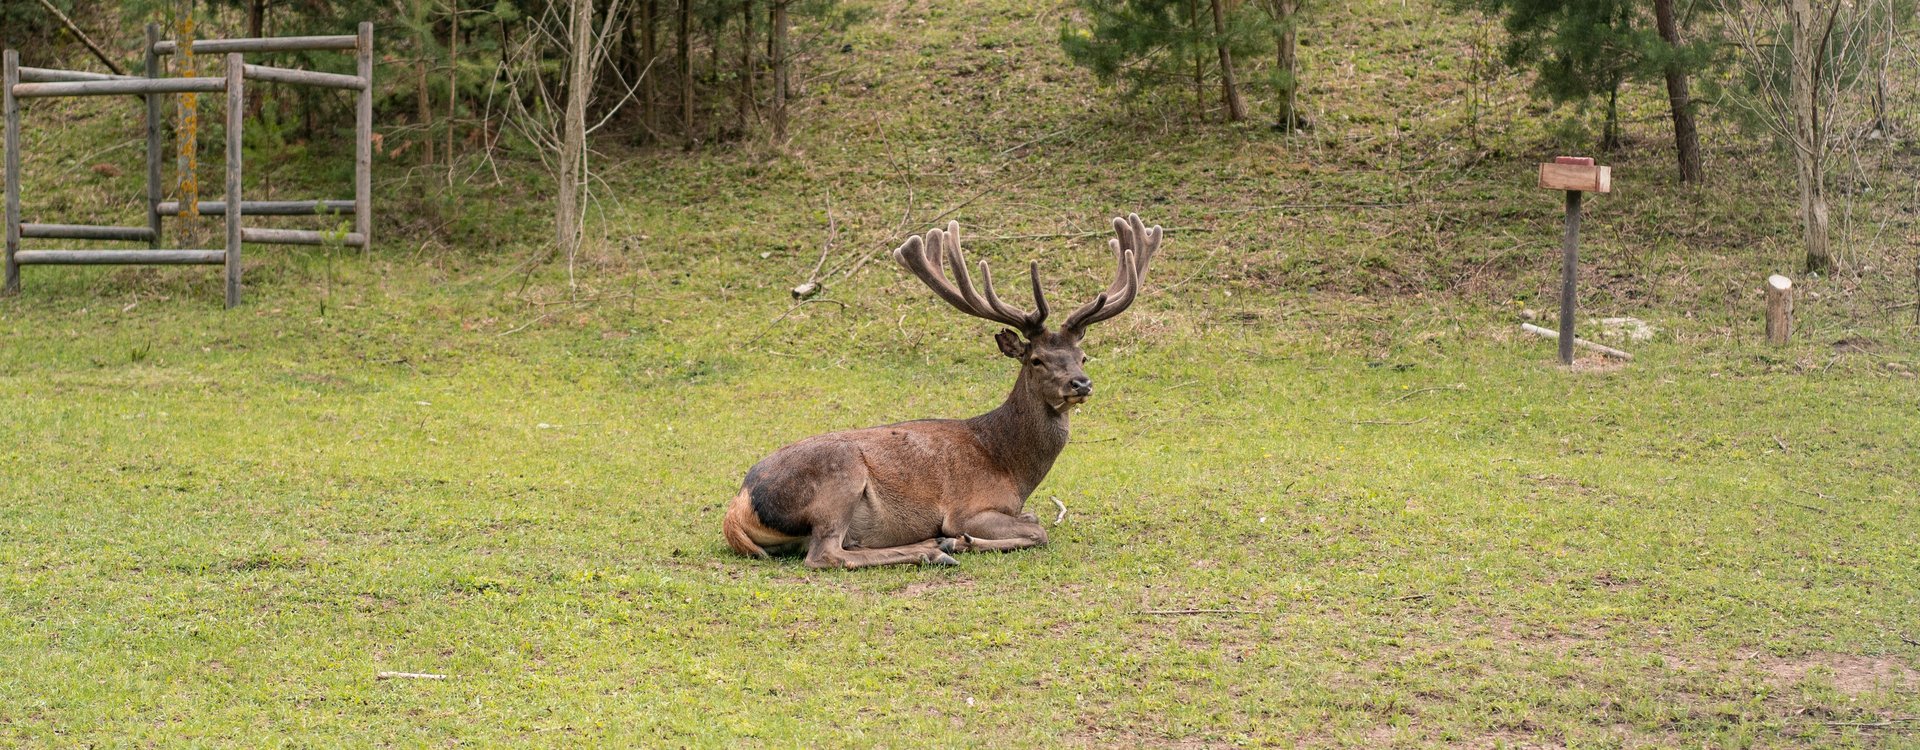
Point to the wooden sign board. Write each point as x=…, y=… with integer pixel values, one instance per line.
x=1574, y=173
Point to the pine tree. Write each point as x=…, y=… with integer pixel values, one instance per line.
x=1144, y=44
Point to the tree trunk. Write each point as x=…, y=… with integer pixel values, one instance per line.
x=568, y=209
x=256, y=18
x=256, y=28
x=426, y=112
x=1610, y=137
x=649, y=52
x=1289, y=63
x=1686, y=138
x=777, y=39
x=453, y=79
x=1236, y=109
x=745, y=94
x=1199, y=77
x=1809, y=138
x=686, y=68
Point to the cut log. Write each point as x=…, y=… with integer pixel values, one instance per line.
x=1583, y=343
x=1779, y=309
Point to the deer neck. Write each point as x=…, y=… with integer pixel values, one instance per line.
x=1024, y=435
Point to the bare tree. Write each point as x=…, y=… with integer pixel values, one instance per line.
x=1805, y=95
x=557, y=126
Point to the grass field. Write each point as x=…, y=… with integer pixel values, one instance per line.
x=216, y=527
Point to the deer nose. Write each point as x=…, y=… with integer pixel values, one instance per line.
x=1081, y=386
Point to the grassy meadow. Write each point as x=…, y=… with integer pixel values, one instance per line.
x=1326, y=495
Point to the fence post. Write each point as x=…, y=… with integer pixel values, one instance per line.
x=363, y=141
x=153, y=137
x=12, y=108
x=236, y=111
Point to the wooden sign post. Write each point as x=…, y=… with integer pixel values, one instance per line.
x=1576, y=175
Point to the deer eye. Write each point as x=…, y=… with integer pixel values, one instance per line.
x=1083, y=359
x=1035, y=361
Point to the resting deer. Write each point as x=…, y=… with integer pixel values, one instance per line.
x=915, y=491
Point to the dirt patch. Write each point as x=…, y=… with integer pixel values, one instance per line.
x=1598, y=364
x=1851, y=674
x=1508, y=741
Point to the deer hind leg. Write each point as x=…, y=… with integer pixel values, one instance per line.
x=827, y=547
x=994, y=531
x=827, y=550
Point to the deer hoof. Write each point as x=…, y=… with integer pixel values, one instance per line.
x=942, y=559
x=951, y=544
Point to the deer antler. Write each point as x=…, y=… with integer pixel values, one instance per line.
x=1132, y=251
x=923, y=256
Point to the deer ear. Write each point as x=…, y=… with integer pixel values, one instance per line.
x=1010, y=343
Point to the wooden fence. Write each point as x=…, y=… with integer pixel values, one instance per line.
x=28, y=83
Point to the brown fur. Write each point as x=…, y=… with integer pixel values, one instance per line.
x=914, y=491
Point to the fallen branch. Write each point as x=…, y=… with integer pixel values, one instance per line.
x=1411, y=394
x=1580, y=342
x=783, y=316
x=812, y=286
x=1063, y=510
x=408, y=676
x=84, y=39
x=1196, y=612
x=1899, y=723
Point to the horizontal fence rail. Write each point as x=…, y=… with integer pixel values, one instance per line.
x=264, y=208
x=305, y=77
x=120, y=86
x=273, y=44
x=120, y=257
x=18, y=82
x=300, y=237
x=86, y=232
x=50, y=75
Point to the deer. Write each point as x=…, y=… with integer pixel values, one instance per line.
x=917, y=492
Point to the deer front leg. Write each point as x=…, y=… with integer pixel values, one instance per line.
x=993, y=531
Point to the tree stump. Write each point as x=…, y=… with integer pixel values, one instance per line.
x=1779, y=309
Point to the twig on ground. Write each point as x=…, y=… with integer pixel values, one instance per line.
x=1909, y=641
x=1011, y=149
x=1411, y=394
x=790, y=309
x=1821, y=511
x=1063, y=510
x=1081, y=235
x=528, y=324
x=1385, y=421
x=409, y=676
x=1897, y=723
x=1196, y=612
x=1411, y=597
x=1779, y=442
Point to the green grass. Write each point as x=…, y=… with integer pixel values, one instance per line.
x=217, y=526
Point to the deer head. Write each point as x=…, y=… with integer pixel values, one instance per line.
x=1052, y=369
